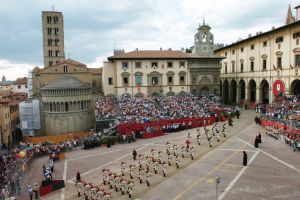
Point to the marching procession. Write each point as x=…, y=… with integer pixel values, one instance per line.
x=145, y=167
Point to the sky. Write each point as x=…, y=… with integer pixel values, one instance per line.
x=93, y=28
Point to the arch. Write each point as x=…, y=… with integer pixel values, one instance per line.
x=155, y=94
x=242, y=90
x=226, y=91
x=233, y=91
x=204, y=80
x=182, y=73
x=170, y=73
x=125, y=74
x=295, y=87
x=138, y=74
x=264, y=91
x=154, y=73
x=170, y=93
x=252, y=90
x=204, y=90
x=126, y=95
x=182, y=93
x=138, y=95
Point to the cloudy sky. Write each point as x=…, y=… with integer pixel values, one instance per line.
x=93, y=28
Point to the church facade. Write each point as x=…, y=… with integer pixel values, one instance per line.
x=165, y=72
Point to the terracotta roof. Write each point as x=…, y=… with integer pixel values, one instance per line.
x=14, y=102
x=4, y=100
x=95, y=70
x=71, y=62
x=20, y=81
x=66, y=82
x=296, y=23
x=151, y=54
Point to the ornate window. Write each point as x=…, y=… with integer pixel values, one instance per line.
x=138, y=78
x=182, y=75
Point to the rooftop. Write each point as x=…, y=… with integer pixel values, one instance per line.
x=66, y=82
x=296, y=23
x=20, y=81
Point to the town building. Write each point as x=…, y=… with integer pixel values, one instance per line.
x=5, y=121
x=263, y=65
x=20, y=85
x=165, y=72
x=5, y=85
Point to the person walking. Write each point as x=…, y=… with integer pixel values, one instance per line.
x=30, y=192
x=245, y=158
x=259, y=138
x=134, y=154
x=256, y=141
x=36, y=191
x=78, y=177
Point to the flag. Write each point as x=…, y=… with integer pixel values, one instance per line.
x=291, y=66
x=274, y=67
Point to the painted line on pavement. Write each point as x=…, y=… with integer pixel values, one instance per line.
x=271, y=156
x=237, y=177
x=107, y=152
x=119, y=158
x=207, y=175
x=236, y=150
x=62, y=195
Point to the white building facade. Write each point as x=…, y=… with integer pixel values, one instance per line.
x=261, y=66
x=164, y=72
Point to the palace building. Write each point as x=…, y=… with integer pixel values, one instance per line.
x=261, y=66
x=165, y=72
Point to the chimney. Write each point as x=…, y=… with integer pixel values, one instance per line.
x=137, y=49
x=160, y=48
x=273, y=27
x=297, y=8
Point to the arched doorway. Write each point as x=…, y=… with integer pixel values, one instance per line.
x=155, y=94
x=204, y=90
x=264, y=91
x=242, y=90
x=233, y=89
x=226, y=91
x=252, y=90
x=295, y=87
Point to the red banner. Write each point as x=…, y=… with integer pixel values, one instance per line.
x=278, y=87
x=128, y=128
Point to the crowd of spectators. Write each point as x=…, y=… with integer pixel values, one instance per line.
x=12, y=168
x=284, y=109
x=189, y=106
x=140, y=110
x=150, y=109
x=105, y=107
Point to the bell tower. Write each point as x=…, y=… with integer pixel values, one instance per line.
x=203, y=41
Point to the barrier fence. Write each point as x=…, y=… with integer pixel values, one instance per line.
x=128, y=128
x=55, y=139
x=286, y=128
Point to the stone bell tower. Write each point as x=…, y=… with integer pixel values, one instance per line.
x=203, y=41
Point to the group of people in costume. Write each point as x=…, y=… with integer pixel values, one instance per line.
x=146, y=167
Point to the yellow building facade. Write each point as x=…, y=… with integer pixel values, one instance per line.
x=261, y=66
